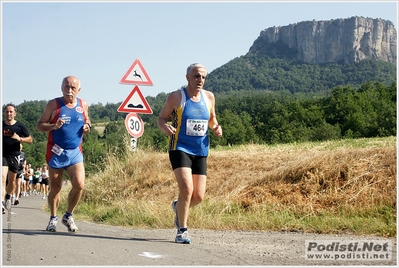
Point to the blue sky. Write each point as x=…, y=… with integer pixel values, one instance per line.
x=42, y=42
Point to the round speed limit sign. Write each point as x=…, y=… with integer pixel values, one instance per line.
x=134, y=125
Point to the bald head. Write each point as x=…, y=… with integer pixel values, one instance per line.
x=70, y=88
x=71, y=80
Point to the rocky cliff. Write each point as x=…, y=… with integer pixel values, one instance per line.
x=340, y=40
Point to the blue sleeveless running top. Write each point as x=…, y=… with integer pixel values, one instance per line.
x=190, y=120
x=70, y=135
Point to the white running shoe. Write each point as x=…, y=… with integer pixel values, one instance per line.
x=8, y=203
x=182, y=237
x=70, y=224
x=52, y=225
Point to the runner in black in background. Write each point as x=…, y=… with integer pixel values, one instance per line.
x=14, y=133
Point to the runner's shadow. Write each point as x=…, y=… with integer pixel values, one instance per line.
x=43, y=232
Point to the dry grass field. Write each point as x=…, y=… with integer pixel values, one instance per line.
x=100, y=127
x=346, y=186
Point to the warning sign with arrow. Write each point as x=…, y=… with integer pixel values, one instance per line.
x=136, y=75
x=135, y=103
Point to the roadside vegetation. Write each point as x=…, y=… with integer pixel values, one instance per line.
x=253, y=117
x=330, y=187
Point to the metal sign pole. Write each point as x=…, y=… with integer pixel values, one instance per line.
x=133, y=144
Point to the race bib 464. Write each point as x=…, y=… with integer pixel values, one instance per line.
x=196, y=127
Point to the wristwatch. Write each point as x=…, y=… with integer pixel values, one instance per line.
x=88, y=125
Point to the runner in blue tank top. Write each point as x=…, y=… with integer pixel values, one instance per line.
x=191, y=121
x=66, y=119
x=192, y=111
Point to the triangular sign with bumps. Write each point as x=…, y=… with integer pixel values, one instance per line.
x=135, y=103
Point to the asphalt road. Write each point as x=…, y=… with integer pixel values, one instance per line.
x=26, y=243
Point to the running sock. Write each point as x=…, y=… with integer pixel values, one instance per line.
x=53, y=217
x=183, y=229
x=67, y=214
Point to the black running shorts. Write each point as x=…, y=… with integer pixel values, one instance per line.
x=181, y=159
x=12, y=161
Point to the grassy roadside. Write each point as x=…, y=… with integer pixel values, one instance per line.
x=346, y=186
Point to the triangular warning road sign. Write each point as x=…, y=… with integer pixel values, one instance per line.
x=136, y=75
x=135, y=103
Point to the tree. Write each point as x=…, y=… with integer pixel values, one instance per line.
x=233, y=129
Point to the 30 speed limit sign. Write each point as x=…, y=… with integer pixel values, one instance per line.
x=134, y=125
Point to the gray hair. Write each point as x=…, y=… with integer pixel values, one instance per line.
x=194, y=66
